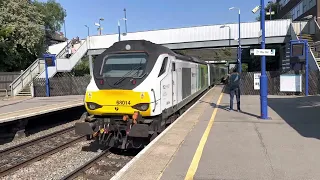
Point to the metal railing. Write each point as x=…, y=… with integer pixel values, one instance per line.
x=5, y=90
x=62, y=54
x=294, y=36
x=27, y=76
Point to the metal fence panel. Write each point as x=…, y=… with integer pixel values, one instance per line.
x=247, y=83
x=62, y=85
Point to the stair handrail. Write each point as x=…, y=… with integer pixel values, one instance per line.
x=63, y=49
x=72, y=65
x=27, y=71
x=86, y=47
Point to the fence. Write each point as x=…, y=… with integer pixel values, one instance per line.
x=247, y=83
x=61, y=85
x=5, y=79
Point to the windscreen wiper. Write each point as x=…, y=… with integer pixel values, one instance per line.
x=126, y=75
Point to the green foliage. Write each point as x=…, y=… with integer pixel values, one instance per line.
x=22, y=31
x=244, y=67
x=53, y=14
x=21, y=35
x=274, y=7
x=82, y=68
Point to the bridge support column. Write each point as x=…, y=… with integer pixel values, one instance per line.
x=90, y=65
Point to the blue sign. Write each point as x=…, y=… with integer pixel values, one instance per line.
x=50, y=59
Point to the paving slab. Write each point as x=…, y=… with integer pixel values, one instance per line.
x=242, y=146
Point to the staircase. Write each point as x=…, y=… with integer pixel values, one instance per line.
x=311, y=40
x=25, y=91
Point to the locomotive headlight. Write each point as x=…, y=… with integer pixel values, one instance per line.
x=141, y=106
x=93, y=106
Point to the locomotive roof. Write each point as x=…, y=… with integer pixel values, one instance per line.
x=151, y=47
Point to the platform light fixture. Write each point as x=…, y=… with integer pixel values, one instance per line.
x=99, y=25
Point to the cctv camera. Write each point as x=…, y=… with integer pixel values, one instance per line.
x=254, y=10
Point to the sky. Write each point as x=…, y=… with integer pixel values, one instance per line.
x=145, y=15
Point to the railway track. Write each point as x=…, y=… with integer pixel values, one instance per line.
x=104, y=166
x=21, y=155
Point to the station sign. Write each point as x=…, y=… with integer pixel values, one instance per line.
x=264, y=52
x=49, y=59
x=297, y=49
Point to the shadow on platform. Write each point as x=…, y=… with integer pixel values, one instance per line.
x=301, y=113
x=225, y=108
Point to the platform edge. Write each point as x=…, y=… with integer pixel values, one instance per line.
x=120, y=173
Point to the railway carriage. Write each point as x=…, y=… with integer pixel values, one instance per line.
x=138, y=88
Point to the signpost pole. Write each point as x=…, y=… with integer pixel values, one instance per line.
x=263, y=77
x=306, y=51
x=49, y=61
x=47, y=80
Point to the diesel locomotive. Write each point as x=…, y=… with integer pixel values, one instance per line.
x=138, y=88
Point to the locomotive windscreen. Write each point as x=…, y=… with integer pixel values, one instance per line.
x=119, y=65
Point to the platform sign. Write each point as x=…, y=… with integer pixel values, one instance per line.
x=256, y=81
x=291, y=83
x=264, y=52
x=297, y=49
x=50, y=59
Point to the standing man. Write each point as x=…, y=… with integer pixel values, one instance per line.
x=234, y=87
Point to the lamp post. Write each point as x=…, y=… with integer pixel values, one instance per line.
x=239, y=50
x=223, y=26
x=99, y=25
x=270, y=9
x=64, y=24
x=125, y=19
x=88, y=29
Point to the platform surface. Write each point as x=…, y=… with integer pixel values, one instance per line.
x=239, y=146
x=14, y=109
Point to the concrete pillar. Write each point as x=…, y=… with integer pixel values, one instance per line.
x=91, y=65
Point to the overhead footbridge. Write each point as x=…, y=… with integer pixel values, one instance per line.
x=210, y=36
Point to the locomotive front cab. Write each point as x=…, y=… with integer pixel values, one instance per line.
x=118, y=72
x=118, y=76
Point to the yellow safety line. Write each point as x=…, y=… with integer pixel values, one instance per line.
x=197, y=156
x=2, y=114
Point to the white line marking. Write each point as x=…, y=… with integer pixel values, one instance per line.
x=120, y=173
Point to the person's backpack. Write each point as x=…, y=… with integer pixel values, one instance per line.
x=234, y=81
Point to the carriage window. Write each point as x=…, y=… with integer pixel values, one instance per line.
x=163, y=66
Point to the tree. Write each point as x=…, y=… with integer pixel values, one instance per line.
x=53, y=14
x=82, y=67
x=274, y=8
x=21, y=34
x=24, y=27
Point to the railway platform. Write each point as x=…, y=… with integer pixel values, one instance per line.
x=19, y=109
x=209, y=142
